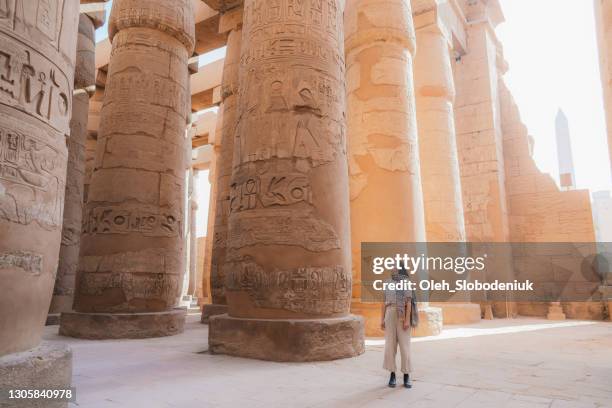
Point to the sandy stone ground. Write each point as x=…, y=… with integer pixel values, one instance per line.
x=521, y=363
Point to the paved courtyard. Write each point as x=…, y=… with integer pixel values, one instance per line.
x=521, y=363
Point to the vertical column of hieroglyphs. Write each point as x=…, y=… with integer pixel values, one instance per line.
x=223, y=163
x=435, y=95
x=84, y=85
x=385, y=181
x=133, y=240
x=37, y=53
x=288, y=240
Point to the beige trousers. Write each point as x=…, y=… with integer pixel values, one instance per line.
x=396, y=335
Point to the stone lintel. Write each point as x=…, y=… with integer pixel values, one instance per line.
x=287, y=340
x=209, y=36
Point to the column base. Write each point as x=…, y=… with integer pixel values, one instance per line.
x=459, y=313
x=210, y=310
x=48, y=366
x=555, y=312
x=430, y=319
x=101, y=326
x=287, y=340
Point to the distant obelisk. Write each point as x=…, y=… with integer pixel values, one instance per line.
x=567, y=178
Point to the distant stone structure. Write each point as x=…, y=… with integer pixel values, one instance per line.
x=567, y=176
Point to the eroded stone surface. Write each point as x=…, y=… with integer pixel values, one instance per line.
x=48, y=366
x=288, y=253
x=287, y=340
x=122, y=325
x=132, y=257
x=37, y=59
x=84, y=81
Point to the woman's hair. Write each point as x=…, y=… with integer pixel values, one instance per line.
x=402, y=270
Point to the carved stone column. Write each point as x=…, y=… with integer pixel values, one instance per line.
x=222, y=173
x=385, y=180
x=287, y=267
x=435, y=96
x=193, y=238
x=132, y=244
x=84, y=85
x=37, y=58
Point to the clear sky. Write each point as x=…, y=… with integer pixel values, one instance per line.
x=551, y=47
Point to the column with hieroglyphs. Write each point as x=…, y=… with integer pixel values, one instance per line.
x=132, y=245
x=84, y=84
x=37, y=59
x=287, y=267
x=221, y=173
x=384, y=165
x=435, y=97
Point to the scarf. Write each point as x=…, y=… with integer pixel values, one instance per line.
x=399, y=297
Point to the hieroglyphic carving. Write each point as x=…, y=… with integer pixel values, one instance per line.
x=282, y=227
x=289, y=167
x=121, y=220
x=33, y=84
x=133, y=286
x=270, y=190
x=31, y=178
x=312, y=290
x=137, y=84
x=27, y=261
x=146, y=274
x=40, y=19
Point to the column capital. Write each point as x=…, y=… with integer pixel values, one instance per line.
x=231, y=20
x=173, y=17
x=223, y=5
x=95, y=10
x=484, y=10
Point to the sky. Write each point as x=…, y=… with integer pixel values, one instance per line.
x=551, y=48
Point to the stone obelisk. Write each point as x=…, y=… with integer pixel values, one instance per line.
x=384, y=164
x=37, y=59
x=84, y=87
x=287, y=267
x=133, y=232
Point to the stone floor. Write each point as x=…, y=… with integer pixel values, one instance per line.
x=502, y=363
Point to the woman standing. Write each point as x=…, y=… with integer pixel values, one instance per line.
x=398, y=316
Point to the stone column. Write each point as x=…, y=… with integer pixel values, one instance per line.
x=193, y=239
x=132, y=244
x=222, y=173
x=435, y=96
x=84, y=85
x=37, y=59
x=385, y=180
x=287, y=267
